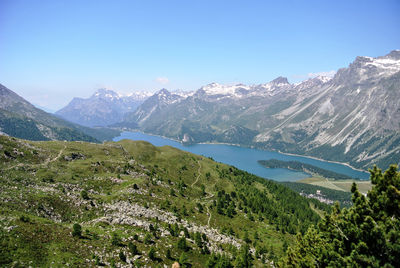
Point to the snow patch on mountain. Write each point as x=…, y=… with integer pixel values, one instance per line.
x=219, y=89
x=106, y=94
x=183, y=93
x=388, y=66
x=138, y=95
x=326, y=108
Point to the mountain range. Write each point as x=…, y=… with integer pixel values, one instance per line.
x=353, y=117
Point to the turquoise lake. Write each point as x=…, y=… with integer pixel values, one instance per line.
x=246, y=158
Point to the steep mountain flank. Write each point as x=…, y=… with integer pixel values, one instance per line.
x=355, y=119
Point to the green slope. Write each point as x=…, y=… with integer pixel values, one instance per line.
x=133, y=194
x=24, y=127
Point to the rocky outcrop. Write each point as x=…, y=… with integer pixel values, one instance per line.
x=128, y=213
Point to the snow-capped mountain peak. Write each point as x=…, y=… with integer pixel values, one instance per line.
x=369, y=68
x=106, y=94
x=139, y=95
x=167, y=97
x=228, y=90
x=388, y=65
x=280, y=81
x=312, y=82
x=323, y=78
x=104, y=107
x=183, y=93
x=163, y=91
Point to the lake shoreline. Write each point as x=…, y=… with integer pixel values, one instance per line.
x=291, y=154
x=328, y=161
x=261, y=150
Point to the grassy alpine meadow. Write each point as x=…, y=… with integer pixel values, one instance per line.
x=340, y=185
x=130, y=203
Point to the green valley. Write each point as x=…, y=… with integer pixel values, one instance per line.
x=339, y=185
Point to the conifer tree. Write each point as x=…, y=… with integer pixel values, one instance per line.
x=183, y=258
x=77, y=230
x=152, y=254
x=133, y=248
x=182, y=244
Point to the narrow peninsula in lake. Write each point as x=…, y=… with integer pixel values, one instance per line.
x=299, y=166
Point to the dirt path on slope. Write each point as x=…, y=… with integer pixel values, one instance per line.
x=198, y=176
x=209, y=218
x=46, y=162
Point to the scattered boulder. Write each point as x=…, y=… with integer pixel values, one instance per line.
x=7, y=154
x=74, y=156
x=17, y=152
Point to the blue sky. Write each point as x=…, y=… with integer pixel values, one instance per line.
x=52, y=51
